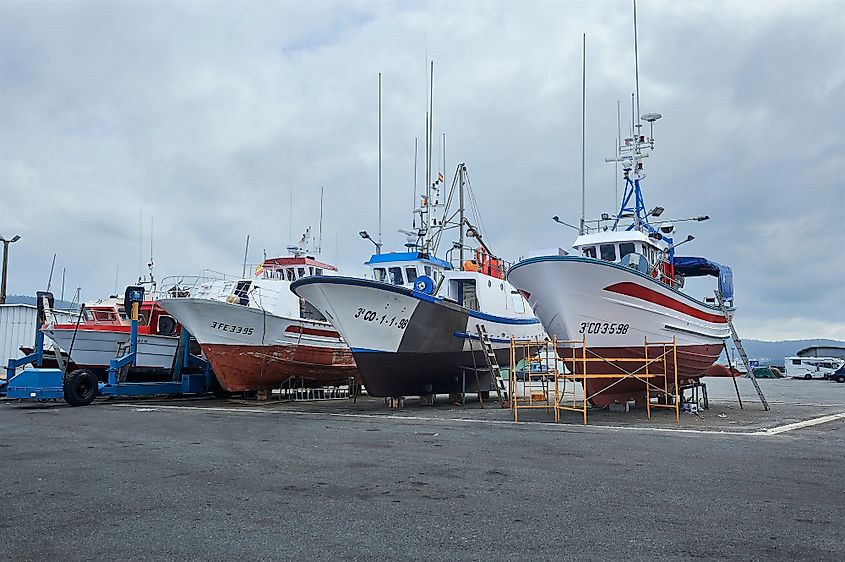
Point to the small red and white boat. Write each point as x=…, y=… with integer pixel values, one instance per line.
x=103, y=334
x=257, y=334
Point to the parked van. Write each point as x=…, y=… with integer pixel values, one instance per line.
x=812, y=367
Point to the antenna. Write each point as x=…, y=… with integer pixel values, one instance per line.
x=616, y=163
x=320, y=239
x=116, y=276
x=246, y=251
x=290, y=215
x=379, y=161
x=140, y=244
x=636, y=68
x=583, y=131
x=61, y=298
x=414, y=200
x=50, y=279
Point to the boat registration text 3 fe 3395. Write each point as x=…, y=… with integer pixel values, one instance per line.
x=223, y=327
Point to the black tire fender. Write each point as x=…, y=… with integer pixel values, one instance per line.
x=80, y=387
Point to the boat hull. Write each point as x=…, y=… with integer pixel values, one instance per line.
x=616, y=310
x=251, y=349
x=408, y=343
x=95, y=348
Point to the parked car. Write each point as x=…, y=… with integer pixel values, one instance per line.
x=838, y=375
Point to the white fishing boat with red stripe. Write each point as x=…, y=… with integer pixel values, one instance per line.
x=258, y=335
x=623, y=285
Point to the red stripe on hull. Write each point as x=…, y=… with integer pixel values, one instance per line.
x=312, y=332
x=652, y=296
x=264, y=367
x=693, y=362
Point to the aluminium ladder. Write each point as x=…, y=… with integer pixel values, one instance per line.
x=490, y=359
x=739, y=347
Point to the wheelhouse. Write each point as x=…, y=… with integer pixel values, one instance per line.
x=403, y=268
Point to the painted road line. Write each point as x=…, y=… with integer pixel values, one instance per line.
x=806, y=423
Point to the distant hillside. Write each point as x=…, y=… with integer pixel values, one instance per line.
x=773, y=352
x=24, y=299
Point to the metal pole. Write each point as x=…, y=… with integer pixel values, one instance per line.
x=379, y=157
x=461, y=212
x=246, y=251
x=5, y=267
x=583, y=130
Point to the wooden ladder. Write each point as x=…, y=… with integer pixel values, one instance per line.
x=739, y=347
x=490, y=359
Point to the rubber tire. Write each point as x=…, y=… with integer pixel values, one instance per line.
x=840, y=378
x=80, y=387
x=808, y=377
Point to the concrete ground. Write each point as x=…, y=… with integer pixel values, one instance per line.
x=211, y=479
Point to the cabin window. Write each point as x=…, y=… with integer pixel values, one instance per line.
x=518, y=302
x=427, y=269
x=396, y=275
x=411, y=274
x=310, y=270
x=590, y=252
x=300, y=271
x=319, y=271
x=626, y=248
x=380, y=274
x=467, y=295
x=796, y=361
x=608, y=252
x=103, y=316
x=291, y=276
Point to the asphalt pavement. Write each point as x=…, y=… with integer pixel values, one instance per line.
x=211, y=480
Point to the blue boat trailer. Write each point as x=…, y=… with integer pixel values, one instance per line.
x=80, y=387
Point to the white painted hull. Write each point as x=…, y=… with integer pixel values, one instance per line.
x=251, y=349
x=96, y=348
x=617, y=309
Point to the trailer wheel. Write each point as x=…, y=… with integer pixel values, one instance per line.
x=80, y=387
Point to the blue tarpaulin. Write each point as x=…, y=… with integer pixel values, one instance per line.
x=697, y=267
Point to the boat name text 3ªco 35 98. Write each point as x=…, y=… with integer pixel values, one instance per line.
x=215, y=325
x=372, y=316
x=603, y=328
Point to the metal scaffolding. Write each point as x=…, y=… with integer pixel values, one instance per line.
x=540, y=380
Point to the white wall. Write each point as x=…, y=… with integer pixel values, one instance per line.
x=17, y=328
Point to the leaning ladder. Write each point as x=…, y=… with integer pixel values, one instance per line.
x=741, y=349
x=490, y=359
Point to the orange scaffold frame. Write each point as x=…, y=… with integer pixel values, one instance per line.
x=546, y=388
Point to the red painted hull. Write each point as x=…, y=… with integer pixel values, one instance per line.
x=265, y=367
x=693, y=363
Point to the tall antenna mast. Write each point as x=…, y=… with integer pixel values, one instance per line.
x=50, y=279
x=637, y=68
x=320, y=239
x=616, y=163
x=290, y=217
x=246, y=251
x=61, y=298
x=583, y=131
x=379, y=163
x=414, y=200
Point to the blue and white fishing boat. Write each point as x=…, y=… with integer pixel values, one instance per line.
x=413, y=327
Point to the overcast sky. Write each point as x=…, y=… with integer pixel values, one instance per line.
x=206, y=115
